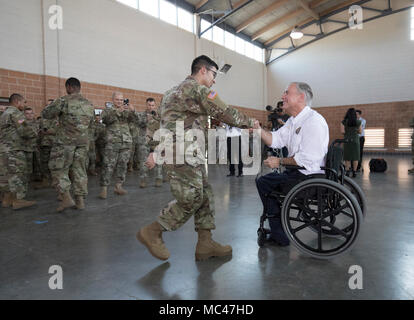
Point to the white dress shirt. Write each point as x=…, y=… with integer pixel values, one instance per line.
x=306, y=137
x=363, y=124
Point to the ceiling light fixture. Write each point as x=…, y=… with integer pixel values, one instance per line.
x=296, y=33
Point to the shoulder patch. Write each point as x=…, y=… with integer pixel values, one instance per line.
x=212, y=95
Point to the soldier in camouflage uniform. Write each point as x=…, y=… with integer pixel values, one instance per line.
x=100, y=139
x=4, y=185
x=411, y=171
x=47, y=138
x=152, y=125
x=31, y=146
x=14, y=135
x=70, y=151
x=133, y=160
x=118, y=143
x=192, y=101
x=91, y=161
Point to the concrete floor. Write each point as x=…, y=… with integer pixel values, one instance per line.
x=101, y=259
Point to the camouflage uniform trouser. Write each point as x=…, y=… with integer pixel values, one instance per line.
x=143, y=155
x=4, y=183
x=193, y=197
x=412, y=147
x=116, y=157
x=91, y=162
x=134, y=158
x=44, y=162
x=18, y=172
x=65, y=160
x=99, y=152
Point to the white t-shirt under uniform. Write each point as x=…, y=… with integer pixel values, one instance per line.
x=306, y=137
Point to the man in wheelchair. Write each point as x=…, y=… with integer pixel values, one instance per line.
x=306, y=136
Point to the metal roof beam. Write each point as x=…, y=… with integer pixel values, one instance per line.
x=239, y=5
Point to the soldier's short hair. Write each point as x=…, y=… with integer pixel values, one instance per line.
x=150, y=100
x=28, y=109
x=73, y=83
x=15, y=97
x=202, y=61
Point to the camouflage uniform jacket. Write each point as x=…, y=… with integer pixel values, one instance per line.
x=117, y=126
x=75, y=114
x=31, y=144
x=50, y=127
x=192, y=103
x=15, y=130
x=153, y=125
x=100, y=133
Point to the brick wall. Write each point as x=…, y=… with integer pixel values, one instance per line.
x=38, y=89
x=391, y=116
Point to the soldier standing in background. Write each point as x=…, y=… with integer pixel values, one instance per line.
x=32, y=150
x=411, y=171
x=192, y=101
x=118, y=143
x=70, y=151
x=153, y=124
x=100, y=139
x=91, y=161
x=133, y=159
x=47, y=138
x=4, y=185
x=14, y=133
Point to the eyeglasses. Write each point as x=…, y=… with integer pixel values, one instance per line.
x=214, y=72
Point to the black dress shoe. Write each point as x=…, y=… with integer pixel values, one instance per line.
x=230, y=175
x=240, y=175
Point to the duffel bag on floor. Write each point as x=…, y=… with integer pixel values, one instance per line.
x=377, y=165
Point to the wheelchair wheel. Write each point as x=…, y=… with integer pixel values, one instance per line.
x=358, y=194
x=316, y=208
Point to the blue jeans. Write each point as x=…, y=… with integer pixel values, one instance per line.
x=272, y=206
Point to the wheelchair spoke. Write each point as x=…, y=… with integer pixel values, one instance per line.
x=336, y=212
x=303, y=226
x=320, y=237
x=339, y=231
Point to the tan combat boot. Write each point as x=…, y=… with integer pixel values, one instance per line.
x=207, y=247
x=158, y=182
x=67, y=202
x=104, y=192
x=92, y=172
x=80, y=203
x=130, y=169
x=119, y=190
x=143, y=183
x=7, y=201
x=20, y=204
x=151, y=237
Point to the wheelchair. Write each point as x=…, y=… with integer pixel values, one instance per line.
x=322, y=214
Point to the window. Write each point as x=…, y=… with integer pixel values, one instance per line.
x=218, y=35
x=229, y=40
x=240, y=45
x=150, y=7
x=412, y=23
x=168, y=12
x=404, y=138
x=374, y=138
x=185, y=20
x=258, y=54
x=249, y=50
x=204, y=25
x=130, y=3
